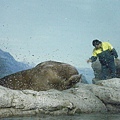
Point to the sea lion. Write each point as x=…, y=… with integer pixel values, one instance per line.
x=46, y=75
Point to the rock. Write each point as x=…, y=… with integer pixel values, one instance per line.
x=54, y=102
x=96, y=66
x=109, y=92
x=112, y=83
x=45, y=76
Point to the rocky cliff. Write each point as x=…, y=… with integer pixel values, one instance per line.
x=9, y=65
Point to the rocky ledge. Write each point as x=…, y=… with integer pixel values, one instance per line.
x=104, y=96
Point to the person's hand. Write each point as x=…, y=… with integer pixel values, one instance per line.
x=89, y=60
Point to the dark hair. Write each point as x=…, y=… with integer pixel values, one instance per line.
x=96, y=42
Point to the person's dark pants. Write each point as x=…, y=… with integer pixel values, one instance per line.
x=108, y=67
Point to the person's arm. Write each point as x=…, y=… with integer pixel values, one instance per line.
x=93, y=58
x=112, y=50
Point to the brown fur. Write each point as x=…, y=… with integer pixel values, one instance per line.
x=45, y=76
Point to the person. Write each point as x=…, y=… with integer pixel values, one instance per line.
x=106, y=54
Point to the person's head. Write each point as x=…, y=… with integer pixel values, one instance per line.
x=96, y=43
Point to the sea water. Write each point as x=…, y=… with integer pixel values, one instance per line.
x=106, y=116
